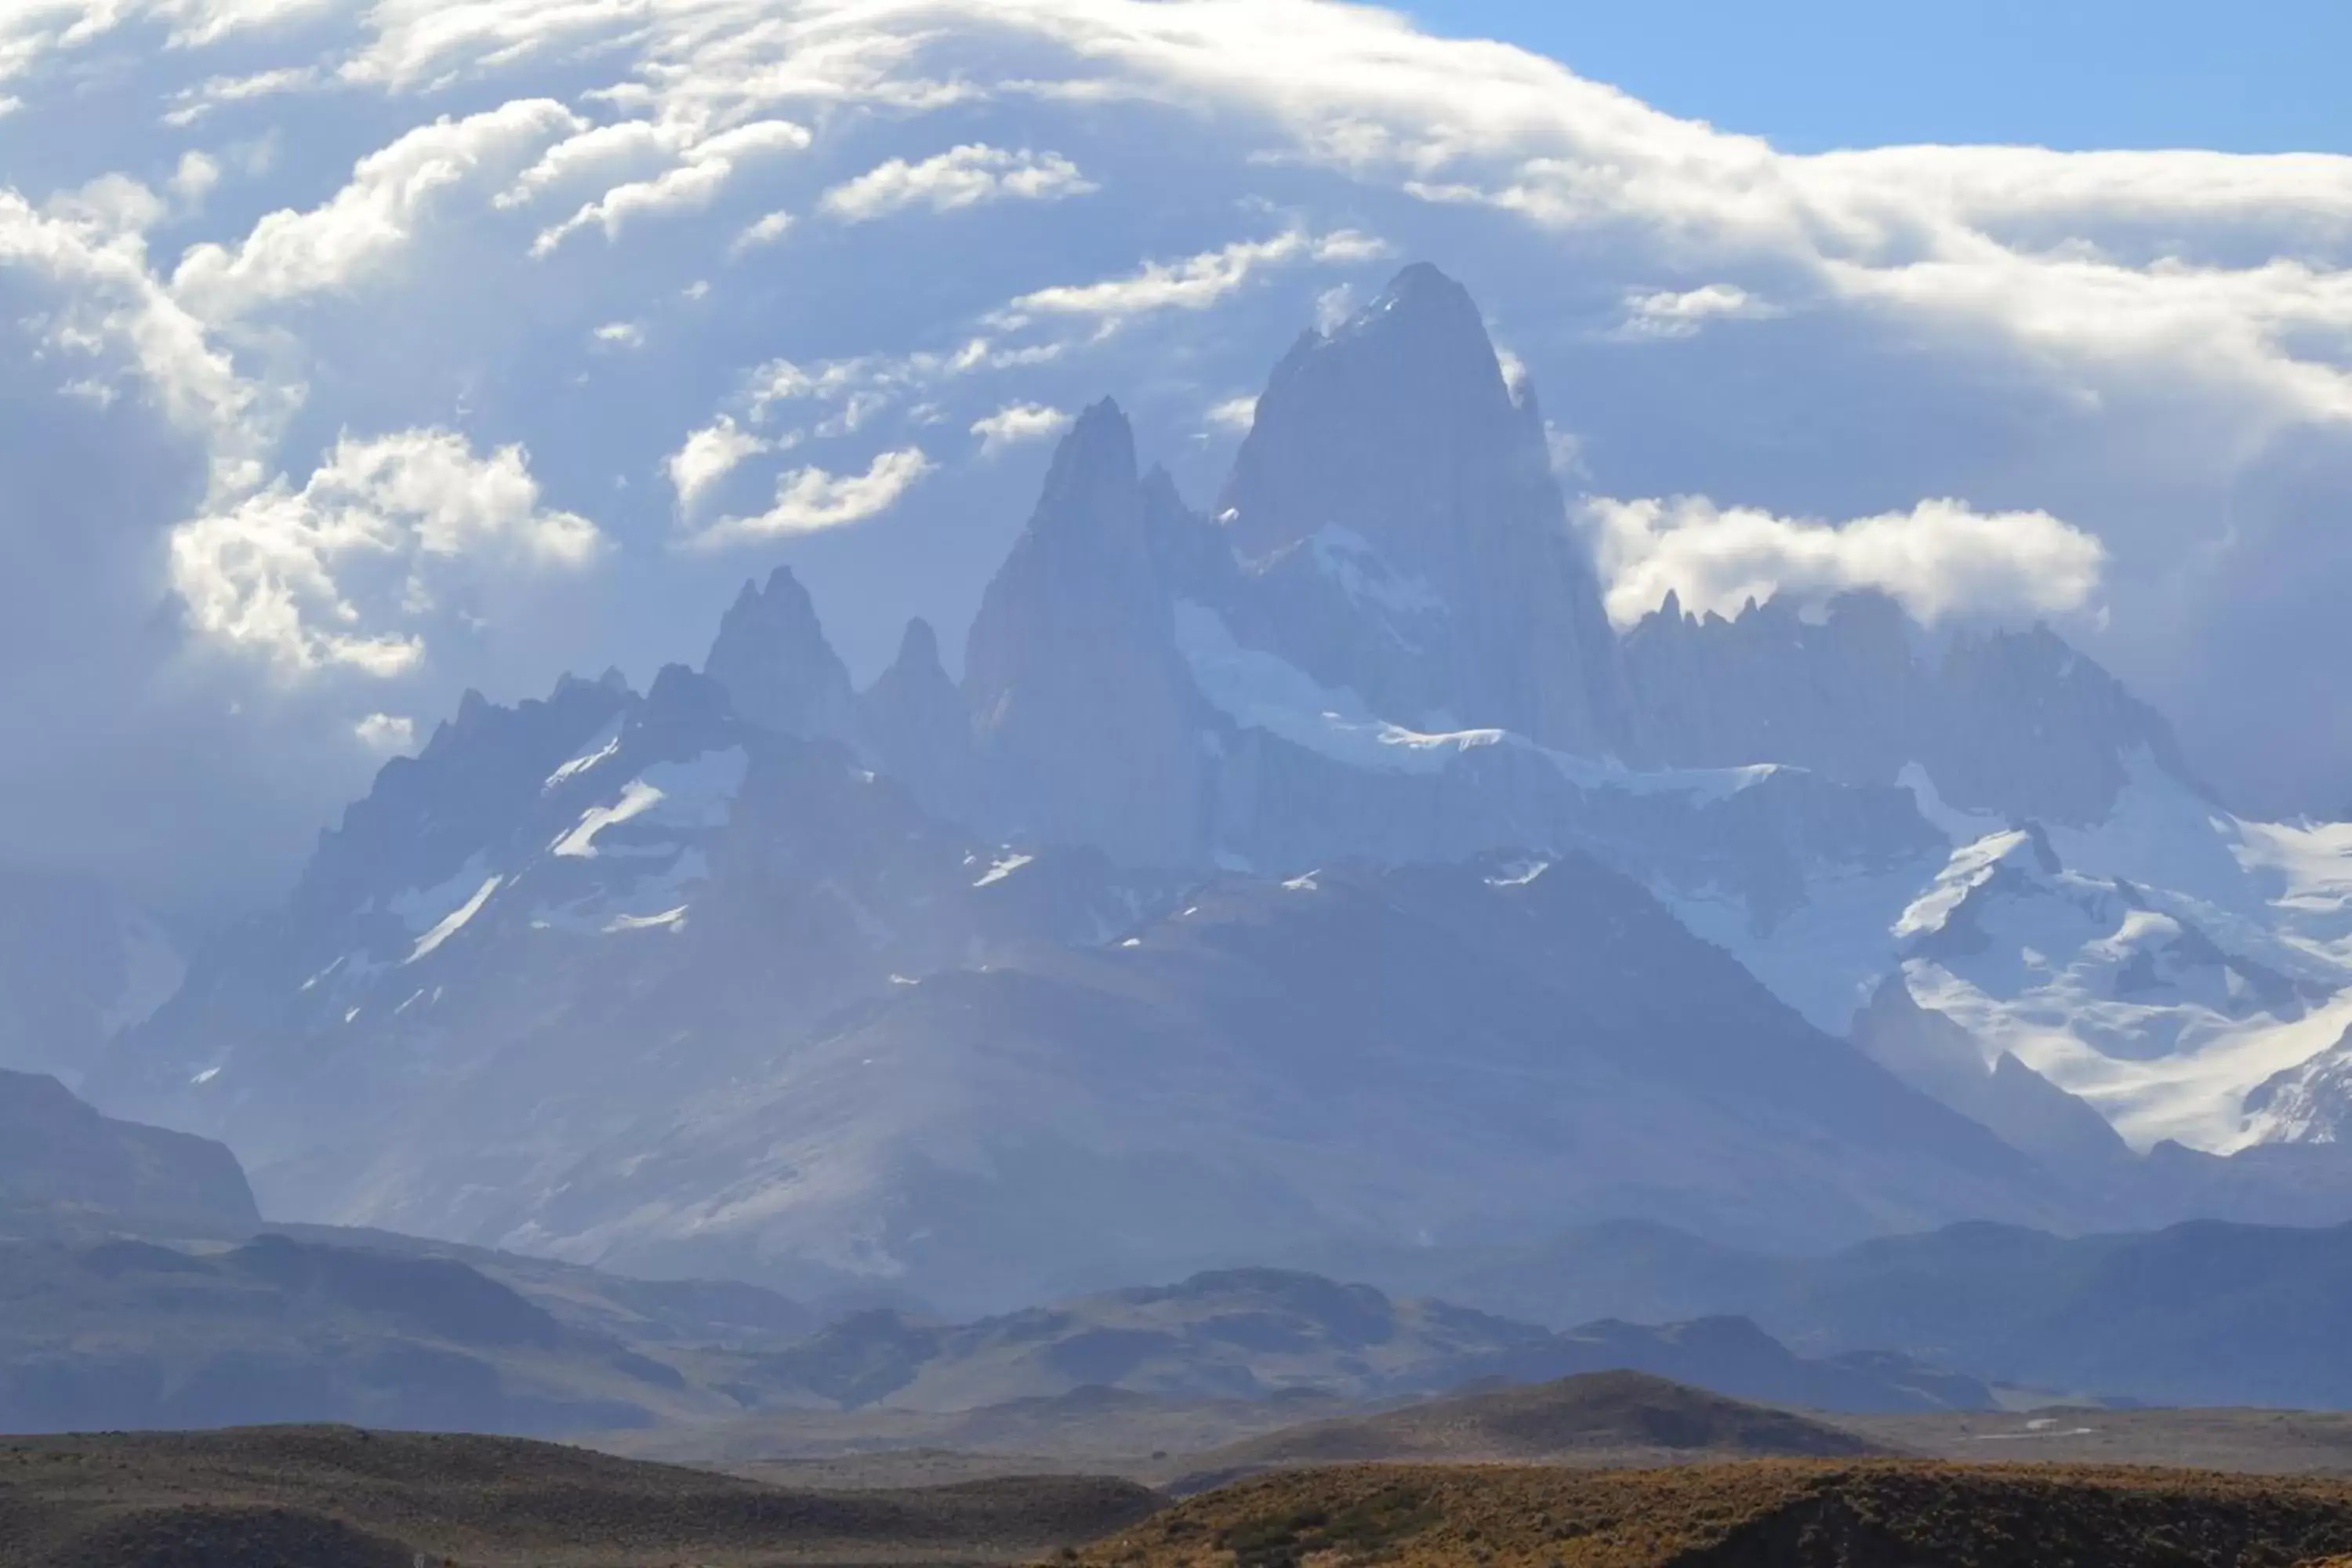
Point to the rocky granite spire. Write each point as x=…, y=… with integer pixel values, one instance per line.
x=916, y=723
x=772, y=656
x=1398, y=435
x=1083, y=709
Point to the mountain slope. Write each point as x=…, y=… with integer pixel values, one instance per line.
x=561, y=917
x=127, y=1334
x=1231, y=1081
x=66, y=1170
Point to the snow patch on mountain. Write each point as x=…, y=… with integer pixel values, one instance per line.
x=1262, y=691
x=607, y=745
x=454, y=920
x=420, y=909
x=1348, y=559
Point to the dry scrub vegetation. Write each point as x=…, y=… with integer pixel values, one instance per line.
x=1771, y=1514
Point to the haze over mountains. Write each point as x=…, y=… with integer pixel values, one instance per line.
x=1255, y=846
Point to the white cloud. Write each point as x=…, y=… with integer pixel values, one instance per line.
x=1193, y=283
x=704, y=169
x=1940, y=559
x=33, y=30
x=192, y=104
x=593, y=151
x=372, y=220
x=1349, y=248
x=344, y=571
x=863, y=386
x=762, y=231
x=386, y=735
x=964, y=177
x=194, y=179
x=1016, y=423
x=111, y=300
x=1235, y=415
x=1333, y=307
x=709, y=455
x=619, y=335
x=1670, y=314
x=811, y=499
x=110, y=205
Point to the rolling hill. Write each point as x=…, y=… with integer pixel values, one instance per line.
x=352, y=1498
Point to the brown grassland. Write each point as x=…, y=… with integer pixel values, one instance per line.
x=1760, y=1514
x=338, y=1498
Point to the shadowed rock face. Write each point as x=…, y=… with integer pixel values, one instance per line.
x=1083, y=713
x=65, y=1167
x=1398, y=432
x=2014, y=723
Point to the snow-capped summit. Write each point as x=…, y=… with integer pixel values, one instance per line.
x=1394, y=453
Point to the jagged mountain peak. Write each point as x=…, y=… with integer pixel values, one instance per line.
x=1085, y=538
x=1373, y=425
x=1427, y=314
x=1094, y=473
x=919, y=648
x=1083, y=714
x=680, y=697
x=478, y=775
x=1397, y=436
x=773, y=658
x=2014, y=722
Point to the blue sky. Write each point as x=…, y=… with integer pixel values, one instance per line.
x=2258, y=76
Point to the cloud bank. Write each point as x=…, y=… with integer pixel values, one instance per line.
x=1940, y=560
x=295, y=285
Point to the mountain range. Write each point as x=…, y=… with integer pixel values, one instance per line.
x=219, y=1322
x=142, y=1290
x=2201, y=1313
x=1317, y=871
